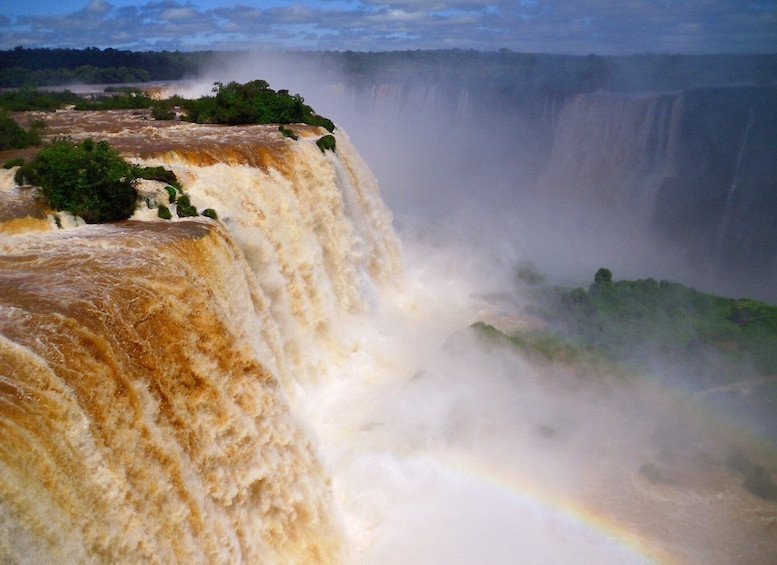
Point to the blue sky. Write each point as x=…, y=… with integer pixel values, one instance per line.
x=555, y=26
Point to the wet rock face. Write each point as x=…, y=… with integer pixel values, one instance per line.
x=695, y=171
x=719, y=191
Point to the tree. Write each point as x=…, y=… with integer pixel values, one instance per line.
x=89, y=179
x=603, y=276
x=14, y=136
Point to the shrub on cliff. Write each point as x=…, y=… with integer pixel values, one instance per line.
x=326, y=142
x=253, y=103
x=164, y=212
x=89, y=179
x=184, y=207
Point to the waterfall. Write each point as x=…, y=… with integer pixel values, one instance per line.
x=147, y=368
x=686, y=174
x=609, y=151
x=735, y=182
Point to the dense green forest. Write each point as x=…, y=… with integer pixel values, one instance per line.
x=505, y=69
x=54, y=67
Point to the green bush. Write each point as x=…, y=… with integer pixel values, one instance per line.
x=26, y=99
x=172, y=193
x=210, y=213
x=132, y=99
x=158, y=173
x=603, y=276
x=164, y=212
x=286, y=132
x=252, y=103
x=184, y=207
x=162, y=112
x=13, y=163
x=527, y=273
x=89, y=179
x=14, y=136
x=326, y=142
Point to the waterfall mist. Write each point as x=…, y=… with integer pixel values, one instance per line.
x=446, y=449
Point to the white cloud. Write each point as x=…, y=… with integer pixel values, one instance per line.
x=579, y=26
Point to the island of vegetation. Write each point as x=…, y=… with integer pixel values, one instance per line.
x=93, y=181
x=647, y=324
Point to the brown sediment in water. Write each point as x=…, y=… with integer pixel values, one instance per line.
x=137, y=423
x=135, y=134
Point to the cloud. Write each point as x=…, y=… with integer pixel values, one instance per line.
x=561, y=26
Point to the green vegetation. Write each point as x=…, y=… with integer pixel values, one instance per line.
x=514, y=74
x=124, y=99
x=286, y=132
x=26, y=99
x=527, y=273
x=649, y=324
x=13, y=163
x=164, y=213
x=326, y=142
x=252, y=103
x=89, y=179
x=163, y=175
x=172, y=193
x=14, y=136
x=544, y=346
x=184, y=207
x=49, y=67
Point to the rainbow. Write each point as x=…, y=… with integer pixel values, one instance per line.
x=590, y=523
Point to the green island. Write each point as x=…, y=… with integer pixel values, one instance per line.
x=646, y=324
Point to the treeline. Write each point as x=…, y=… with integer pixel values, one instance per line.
x=505, y=71
x=20, y=77
x=51, y=67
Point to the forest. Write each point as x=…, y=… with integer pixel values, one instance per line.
x=504, y=69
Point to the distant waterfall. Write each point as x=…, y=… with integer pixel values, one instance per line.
x=694, y=170
x=609, y=150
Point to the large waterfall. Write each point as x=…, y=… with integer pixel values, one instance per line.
x=287, y=385
x=147, y=366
